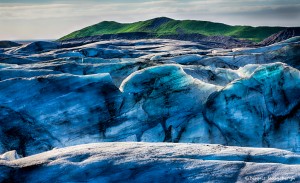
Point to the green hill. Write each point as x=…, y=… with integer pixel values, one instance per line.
x=167, y=26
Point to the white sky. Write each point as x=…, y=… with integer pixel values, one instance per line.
x=52, y=19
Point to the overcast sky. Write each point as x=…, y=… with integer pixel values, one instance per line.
x=52, y=19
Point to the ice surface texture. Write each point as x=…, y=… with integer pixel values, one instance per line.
x=56, y=95
x=154, y=162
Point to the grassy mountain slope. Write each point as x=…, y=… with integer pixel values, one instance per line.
x=167, y=26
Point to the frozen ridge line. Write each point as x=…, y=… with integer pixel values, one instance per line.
x=154, y=162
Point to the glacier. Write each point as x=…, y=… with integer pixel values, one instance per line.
x=112, y=94
x=154, y=162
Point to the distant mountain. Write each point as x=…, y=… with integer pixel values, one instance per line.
x=281, y=35
x=164, y=26
x=8, y=44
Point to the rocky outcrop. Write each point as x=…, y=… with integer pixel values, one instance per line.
x=281, y=36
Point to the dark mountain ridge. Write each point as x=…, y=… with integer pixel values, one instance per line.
x=281, y=35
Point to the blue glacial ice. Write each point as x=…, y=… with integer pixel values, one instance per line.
x=114, y=96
